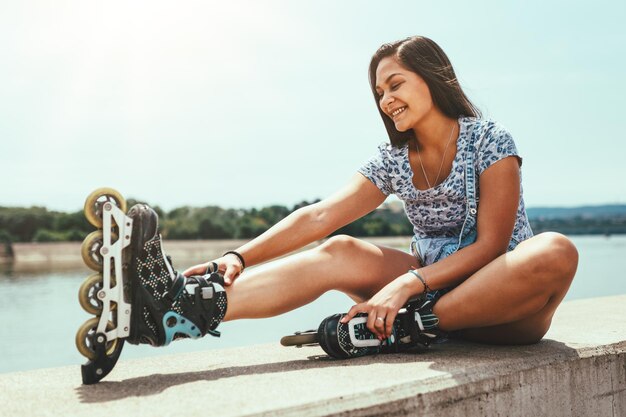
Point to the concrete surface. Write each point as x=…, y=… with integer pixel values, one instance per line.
x=579, y=369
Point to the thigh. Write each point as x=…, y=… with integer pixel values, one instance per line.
x=365, y=267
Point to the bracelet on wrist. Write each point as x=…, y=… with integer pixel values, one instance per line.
x=239, y=257
x=419, y=276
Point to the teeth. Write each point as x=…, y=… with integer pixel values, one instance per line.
x=398, y=111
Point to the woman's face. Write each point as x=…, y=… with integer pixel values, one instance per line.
x=402, y=94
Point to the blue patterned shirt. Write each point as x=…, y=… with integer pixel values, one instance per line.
x=441, y=210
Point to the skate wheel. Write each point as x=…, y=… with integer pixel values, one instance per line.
x=90, y=249
x=88, y=294
x=300, y=339
x=95, y=201
x=84, y=336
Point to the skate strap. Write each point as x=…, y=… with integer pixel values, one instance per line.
x=176, y=289
x=216, y=278
x=214, y=333
x=169, y=260
x=207, y=294
x=412, y=323
x=212, y=267
x=204, y=284
x=205, y=287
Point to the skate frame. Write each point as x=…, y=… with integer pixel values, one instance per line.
x=113, y=252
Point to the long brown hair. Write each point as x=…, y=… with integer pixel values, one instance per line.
x=425, y=58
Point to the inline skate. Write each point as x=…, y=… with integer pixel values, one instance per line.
x=135, y=294
x=415, y=326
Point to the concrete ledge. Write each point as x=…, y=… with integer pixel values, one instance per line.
x=578, y=369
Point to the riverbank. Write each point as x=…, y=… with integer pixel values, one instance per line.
x=6, y=253
x=578, y=369
x=66, y=255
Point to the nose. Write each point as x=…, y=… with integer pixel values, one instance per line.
x=386, y=102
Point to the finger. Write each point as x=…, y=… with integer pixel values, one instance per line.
x=351, y=313
x=195, y=270
x=231, y=273
x=391, y=317
x=371, y=323
x=223, y=266
x=379, y=323
x=380, y=326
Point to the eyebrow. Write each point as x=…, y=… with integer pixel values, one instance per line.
x=388, y=78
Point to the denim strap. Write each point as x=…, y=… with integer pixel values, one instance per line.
x=471, y=197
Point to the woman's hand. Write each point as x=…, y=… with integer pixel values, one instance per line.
x=228, y=265
x=383, y=307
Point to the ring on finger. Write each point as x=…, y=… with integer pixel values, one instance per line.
x=380, y=318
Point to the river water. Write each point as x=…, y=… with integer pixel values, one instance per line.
x=40, y=311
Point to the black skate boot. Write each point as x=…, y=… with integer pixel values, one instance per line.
x=136, y=296
x=166, y=305
x=415, y=326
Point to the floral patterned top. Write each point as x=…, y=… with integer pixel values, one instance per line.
x=440, y=211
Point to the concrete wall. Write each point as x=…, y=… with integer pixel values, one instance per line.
x=579, y=369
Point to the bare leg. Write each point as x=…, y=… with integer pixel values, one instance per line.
x=512, y=299
x=352, y=266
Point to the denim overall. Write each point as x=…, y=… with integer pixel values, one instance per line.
x=431, y=250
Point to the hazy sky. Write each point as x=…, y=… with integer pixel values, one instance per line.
x=246, y=104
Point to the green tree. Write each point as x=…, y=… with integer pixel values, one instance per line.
x=23, y=223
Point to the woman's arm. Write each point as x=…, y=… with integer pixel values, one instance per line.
x=305, y=225
x=497, y=212
x=315, y=221
x=499, y=199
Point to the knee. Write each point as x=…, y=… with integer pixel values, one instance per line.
x=338, y=245
x=558, y=256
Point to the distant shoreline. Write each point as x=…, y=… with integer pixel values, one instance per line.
x=66, y=255
x=33, y=257
x=37, y=224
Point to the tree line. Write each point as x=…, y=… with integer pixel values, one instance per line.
x=37, y=224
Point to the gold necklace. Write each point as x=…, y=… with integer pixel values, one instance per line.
x=442, y=159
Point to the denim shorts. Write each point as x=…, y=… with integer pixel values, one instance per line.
x=431, y=250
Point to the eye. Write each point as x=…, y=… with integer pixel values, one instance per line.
x=395, y=86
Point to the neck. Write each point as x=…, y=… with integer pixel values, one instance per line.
x=433, y=130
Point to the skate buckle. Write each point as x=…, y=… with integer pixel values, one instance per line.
x=353, y=338
x=207, y=293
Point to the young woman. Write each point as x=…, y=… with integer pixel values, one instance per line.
x=475, y=267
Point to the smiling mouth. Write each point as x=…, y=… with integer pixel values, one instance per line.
x=398, y=111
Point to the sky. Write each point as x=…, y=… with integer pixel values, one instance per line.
x=245, y=104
